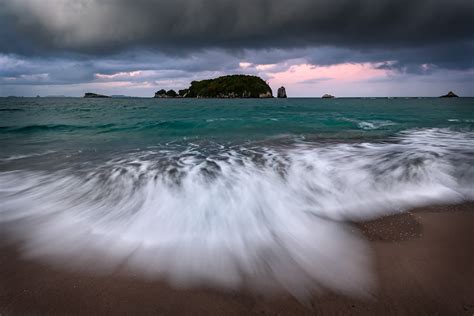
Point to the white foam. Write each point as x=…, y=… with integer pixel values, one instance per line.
x=375, y=124
x=370, y=124
x=268, y=217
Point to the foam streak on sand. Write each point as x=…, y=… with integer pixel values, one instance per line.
x=265, y=217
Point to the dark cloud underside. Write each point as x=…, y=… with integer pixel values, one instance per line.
x=106, y=26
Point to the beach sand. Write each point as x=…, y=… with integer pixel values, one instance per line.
x=424, y=266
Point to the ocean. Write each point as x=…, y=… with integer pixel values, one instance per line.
x=226, y=192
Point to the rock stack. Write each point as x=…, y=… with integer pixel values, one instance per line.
x=281, y=92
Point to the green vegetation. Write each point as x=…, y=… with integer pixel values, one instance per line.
x=166, y=94
x=171, y=93
x=183, y=92
x=160, y=93
x=234, y=86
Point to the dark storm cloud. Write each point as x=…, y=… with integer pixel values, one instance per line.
x=95, y=26
x=456, y=56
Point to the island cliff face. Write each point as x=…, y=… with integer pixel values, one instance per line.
x=234, y=86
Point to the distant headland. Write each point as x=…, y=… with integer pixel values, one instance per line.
x=94, y=95
x=233, y=86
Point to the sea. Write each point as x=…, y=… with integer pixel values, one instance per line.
x=227, y=193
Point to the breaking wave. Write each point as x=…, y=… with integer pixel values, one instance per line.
x=266, y=217
x=375, y=124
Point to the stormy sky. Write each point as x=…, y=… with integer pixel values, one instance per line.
x=135, y=47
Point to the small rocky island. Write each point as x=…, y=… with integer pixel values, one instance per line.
x=94, y=95
x=328, y=96
x=233, y=86
x=281, y=92
x=450, y=94
x=166, y=94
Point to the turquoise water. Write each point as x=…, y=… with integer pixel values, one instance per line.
x=30, y=125
x=226, y=192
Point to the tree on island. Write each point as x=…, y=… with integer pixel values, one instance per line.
x=171, y=93
x=166, y=94
x=160, y=93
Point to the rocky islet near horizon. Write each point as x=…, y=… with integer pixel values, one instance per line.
x=327, y=96
x=95, y=95
x=450, y=94
x=281, y=93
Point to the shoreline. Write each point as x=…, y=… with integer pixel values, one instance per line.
x=424, y=265
x=202, y=98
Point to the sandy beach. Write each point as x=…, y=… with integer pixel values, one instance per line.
x=424, y=266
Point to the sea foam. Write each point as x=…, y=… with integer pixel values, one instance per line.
x=266, y=218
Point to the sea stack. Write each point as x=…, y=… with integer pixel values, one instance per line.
x=328, y=96
x=450, y=94
x=94, y=95
x=281, y=92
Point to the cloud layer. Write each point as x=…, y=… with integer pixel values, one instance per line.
x=97, y=26
x=187, y=39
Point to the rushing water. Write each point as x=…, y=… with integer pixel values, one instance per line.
x=228, y=193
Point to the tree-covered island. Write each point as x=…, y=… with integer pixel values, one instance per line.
x=233, y=86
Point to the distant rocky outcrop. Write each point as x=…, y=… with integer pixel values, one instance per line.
x=328, y=96
x=94, y=95
x=166, y=94
x=233, y=86
x=281, y=92
x=450, y=94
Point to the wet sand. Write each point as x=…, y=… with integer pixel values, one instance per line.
x=424, y=265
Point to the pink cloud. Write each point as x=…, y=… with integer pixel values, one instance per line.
x=305, y=73
x=302, y=78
